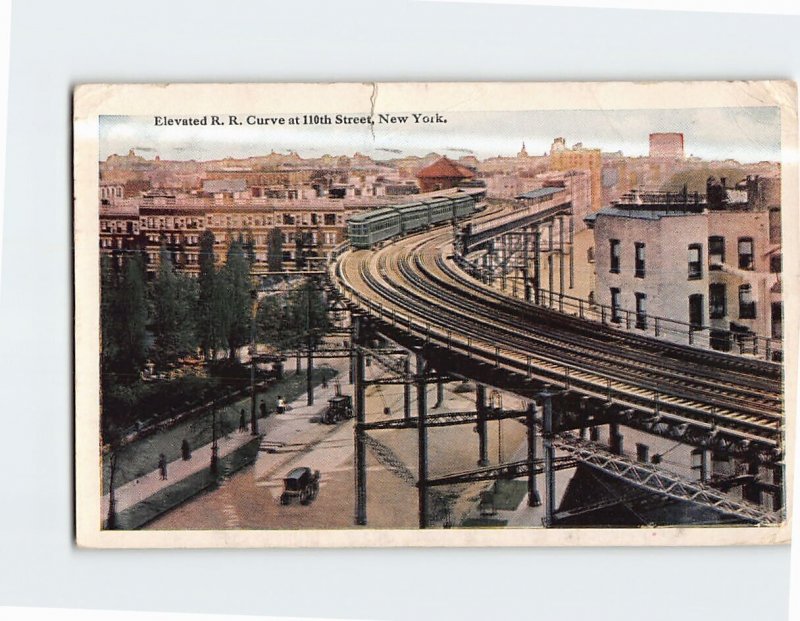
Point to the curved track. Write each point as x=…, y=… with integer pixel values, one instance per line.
x=413, y=284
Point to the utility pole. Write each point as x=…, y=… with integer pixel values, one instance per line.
x=253, y=418
x=310, y=359
x=422, y=440
x=361, y=418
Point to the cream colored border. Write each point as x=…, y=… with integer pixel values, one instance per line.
x=196, y=99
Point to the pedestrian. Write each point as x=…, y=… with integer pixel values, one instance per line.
x=186, y=450
x=263, y=409
x=242, y=423
x=162, y=466
x=281, y=405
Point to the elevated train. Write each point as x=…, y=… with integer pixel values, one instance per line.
x=364, y=230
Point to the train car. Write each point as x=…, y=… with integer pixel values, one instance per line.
x=441, y=209
x=414, y=216
x=464, y=206
x=371, y=227
x=367, y=229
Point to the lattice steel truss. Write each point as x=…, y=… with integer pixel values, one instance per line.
x=663, y=482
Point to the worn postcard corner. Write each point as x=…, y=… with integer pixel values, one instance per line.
x=477, y=314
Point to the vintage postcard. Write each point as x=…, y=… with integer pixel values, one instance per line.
x=478, y=314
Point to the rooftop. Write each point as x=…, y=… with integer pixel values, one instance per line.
x=541, y=192
x=445, y=168
x=640, y=214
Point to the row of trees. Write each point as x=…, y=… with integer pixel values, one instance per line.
x=175, y=315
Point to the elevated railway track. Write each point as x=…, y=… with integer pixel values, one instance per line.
x=731, y=404
x=726, y=405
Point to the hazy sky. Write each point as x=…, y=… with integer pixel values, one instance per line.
x=744, y=134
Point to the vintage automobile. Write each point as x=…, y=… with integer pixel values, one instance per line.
x=302, y=484
x=339, y=408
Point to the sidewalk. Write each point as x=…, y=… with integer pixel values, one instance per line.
x=178, y=470
x=146, y=486
x=297, y=432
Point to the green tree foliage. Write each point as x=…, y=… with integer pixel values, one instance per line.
x=209, y=319
x=234, y=297
x=287, y=321
x=123, y=308
x=275, y=256
x=310, y=312
x=273, y=322
x=249, y=245
x=173, y=321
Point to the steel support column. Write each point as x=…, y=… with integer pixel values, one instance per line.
x=525, y=269
x=614, y=438
x=407, y=388
x=480, y=408
x=422, y=442
x=361, y=448
x=561, y=263
x=537, y=267
x=549, y=458
x=571, y=252
x=705, y=464
x=530, y=420
x=777, y=480
x=439, y=394
x=752, y=491
x=503, y=259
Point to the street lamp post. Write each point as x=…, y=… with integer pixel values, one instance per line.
x=310, y=360
x=253, y=419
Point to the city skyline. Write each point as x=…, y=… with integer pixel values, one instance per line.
x=747, y=135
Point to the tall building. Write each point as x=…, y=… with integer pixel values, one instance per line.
x=666, y=146
x=580, y=158
x=709, y=267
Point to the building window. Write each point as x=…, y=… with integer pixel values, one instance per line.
x=775, y=263
x=615, y=254
x=639, y=255
x=747, y=306
x=745, y=253
x=695, y=311
x=716, y=252
x=777, y=320
x=717, y=306
x=641, y=311
x=616, y=315
x=695, y=265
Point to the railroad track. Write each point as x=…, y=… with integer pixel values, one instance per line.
x=412, y=284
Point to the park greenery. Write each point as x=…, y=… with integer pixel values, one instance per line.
x=163, y=322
